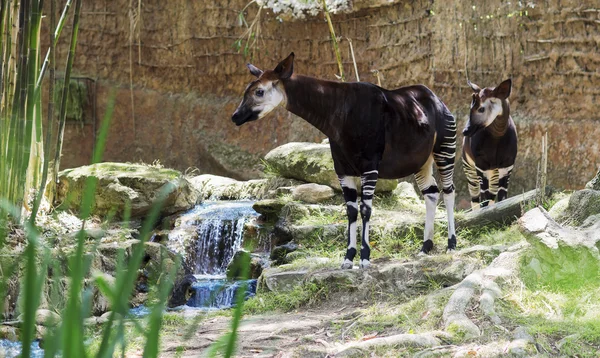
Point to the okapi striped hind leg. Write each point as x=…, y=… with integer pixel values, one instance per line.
x=368, y=181
x=351, y=198
x=445, y=164
x=431, y=193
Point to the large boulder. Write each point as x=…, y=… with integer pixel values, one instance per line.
x=560, y=255
x=312, y=163
x=120, y=184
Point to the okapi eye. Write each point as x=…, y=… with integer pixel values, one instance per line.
x=481, y=109
x=260, y=92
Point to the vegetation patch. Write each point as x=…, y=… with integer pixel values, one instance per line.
x=300, y=296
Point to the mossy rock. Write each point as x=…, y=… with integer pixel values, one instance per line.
x=312, y=163
x=583, y=204
x=269, y=207
x=122, y=184
x=594, y=183
x=561, y=257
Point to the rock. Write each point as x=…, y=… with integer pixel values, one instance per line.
x=312, y=193
x=101, y=303
x=558, y=209
x=590, y=221
x=121, y=183
x=406, y=191
x=257, y=264
x=343, y=280
x=44, y=317
x=295, y=255
x=10, y=333
x=594, y=183
x=582, y=204
x=106, y=316
x=182, y=291
x=270, y=208
x=215, y=187
x=312, y=163
x=281, y=281
x=90, y=321
x=559, y=255
x=279, y=252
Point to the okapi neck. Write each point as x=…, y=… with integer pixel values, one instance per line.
x=500, y=125
x=313, y=100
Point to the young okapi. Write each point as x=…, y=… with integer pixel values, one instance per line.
x=373, y=133
x=489, y=145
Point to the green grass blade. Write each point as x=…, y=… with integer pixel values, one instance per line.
x=165, y=286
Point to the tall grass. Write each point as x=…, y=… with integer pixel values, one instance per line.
x=21, y=169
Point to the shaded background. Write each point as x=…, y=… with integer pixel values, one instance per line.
x=187, y=76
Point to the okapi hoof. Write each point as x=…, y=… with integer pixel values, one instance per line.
x=427, y=247
x=347, y=265
x=365, y=264
x=451, y=244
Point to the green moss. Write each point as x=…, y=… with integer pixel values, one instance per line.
x=77, y=98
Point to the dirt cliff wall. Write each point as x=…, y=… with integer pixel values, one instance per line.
x=188, y=77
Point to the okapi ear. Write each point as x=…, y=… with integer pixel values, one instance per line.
x=285, y=68
x=255, y=71
x=503, y=89
x=474, y=87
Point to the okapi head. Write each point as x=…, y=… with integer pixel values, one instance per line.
x=488, y=103
x=265, y=93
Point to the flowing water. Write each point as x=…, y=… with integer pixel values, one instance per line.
x=219, y=229
x=11, y=349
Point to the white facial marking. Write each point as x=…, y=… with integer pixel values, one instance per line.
x=273, y=96
x=493, y=108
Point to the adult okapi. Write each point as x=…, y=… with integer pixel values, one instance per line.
x=489, y=144
x=373, y=133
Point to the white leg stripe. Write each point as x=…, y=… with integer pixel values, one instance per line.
x=352, y=234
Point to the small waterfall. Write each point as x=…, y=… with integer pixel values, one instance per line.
x=208, y=237
x=219, y=240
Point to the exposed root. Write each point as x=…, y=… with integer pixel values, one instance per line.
x=456, y=321
x=422, y=340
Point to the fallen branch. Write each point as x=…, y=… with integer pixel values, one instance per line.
x=504, y=212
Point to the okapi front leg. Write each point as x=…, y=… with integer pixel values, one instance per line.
x=431, y=193
x=486, y=197
x=368, y=181
x=351, y=198
x=504, y=177
x=473, y=182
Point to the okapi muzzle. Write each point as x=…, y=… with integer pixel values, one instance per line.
x=243, y=114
